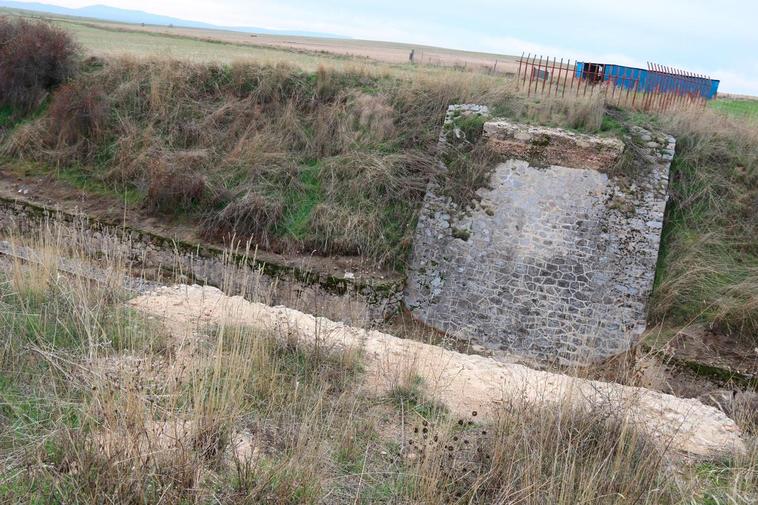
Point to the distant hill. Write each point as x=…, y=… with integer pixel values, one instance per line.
x=107, y=13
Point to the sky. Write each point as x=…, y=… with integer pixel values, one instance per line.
x=719, y=39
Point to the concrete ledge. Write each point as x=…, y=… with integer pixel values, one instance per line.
x=542, y=146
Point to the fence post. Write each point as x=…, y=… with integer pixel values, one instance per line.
x=526, y=64
x=531, y=77
x=558, y=81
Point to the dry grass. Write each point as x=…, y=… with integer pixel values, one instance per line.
x=709, y=262
x=99, y=404
x=334, y=162
x=283, y=151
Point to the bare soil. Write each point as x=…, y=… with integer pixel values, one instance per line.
x=696, y=343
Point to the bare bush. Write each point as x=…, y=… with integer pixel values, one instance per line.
x=35, y=57
x=78, y=114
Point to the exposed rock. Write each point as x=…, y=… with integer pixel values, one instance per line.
x=464, y=383
x=552, y=146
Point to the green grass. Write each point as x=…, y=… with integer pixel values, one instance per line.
x=81, y=179
x=411, y=397
x=78, y=177
x=471, y=126
x=300, y=205
x=22, y=414
x=612, y=125
x=741, y=108
x=6, y=117
x=9, y=118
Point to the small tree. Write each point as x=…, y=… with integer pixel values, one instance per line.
x=35, y=57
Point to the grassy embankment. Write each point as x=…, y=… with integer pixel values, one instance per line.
x=333, y=162
x=336, y=162
x=708, y=267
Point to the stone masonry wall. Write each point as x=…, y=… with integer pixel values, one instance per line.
x=557, y=260
x=148, y=254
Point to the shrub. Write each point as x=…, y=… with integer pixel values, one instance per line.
x=34, y=59
x=78, y=113
x=172, y=190
x=251, y=215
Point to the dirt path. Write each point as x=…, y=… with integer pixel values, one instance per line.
x=464, y=383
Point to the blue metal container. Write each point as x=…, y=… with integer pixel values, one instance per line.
x=647, y=81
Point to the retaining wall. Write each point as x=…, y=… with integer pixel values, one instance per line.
x=236, y=272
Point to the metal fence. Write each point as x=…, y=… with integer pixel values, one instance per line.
x=657, y=88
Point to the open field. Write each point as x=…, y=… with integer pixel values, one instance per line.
x=746, y=108
x=107, y=39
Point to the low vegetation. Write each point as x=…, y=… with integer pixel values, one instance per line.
x=331, y=162
x=334, y=162
x=337, y=161
x=99, y=404
x=708, y=266
x=34, y=59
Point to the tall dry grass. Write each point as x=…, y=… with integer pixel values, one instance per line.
x=708, y=269
x=99, y=404
x=331, y=162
